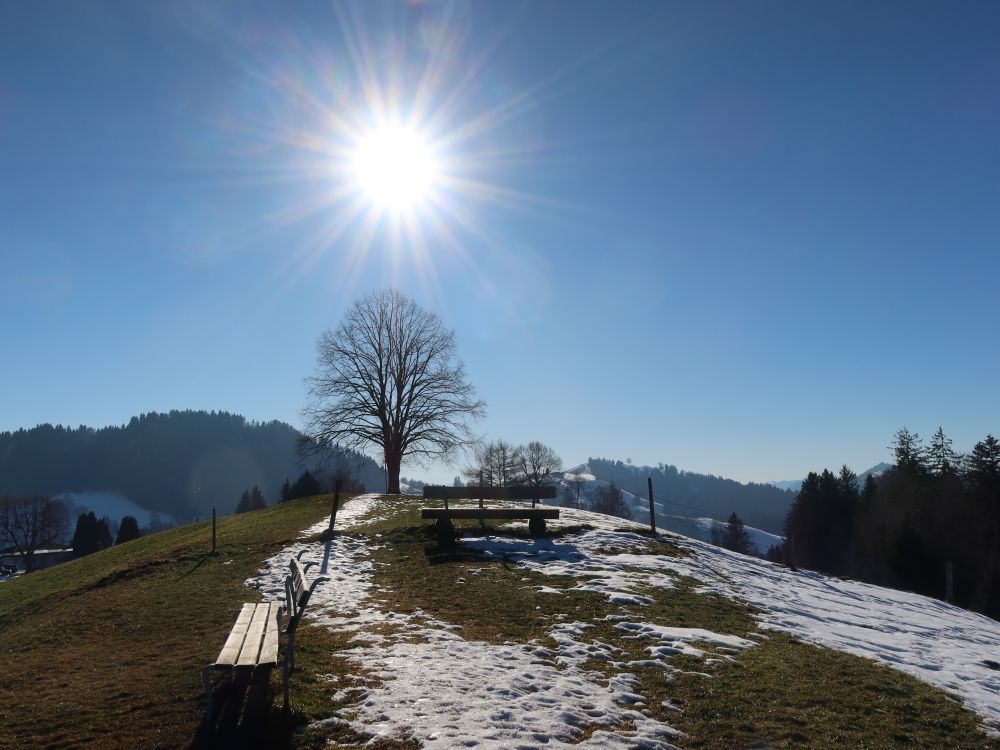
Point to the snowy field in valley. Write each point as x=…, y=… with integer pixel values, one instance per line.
x=449, y=692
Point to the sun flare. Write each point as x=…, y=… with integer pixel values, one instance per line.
x=395, y=168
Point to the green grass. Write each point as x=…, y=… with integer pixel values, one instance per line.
x=106, y=651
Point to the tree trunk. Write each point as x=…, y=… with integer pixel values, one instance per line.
x=392, y=462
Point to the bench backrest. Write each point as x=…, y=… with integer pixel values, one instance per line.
x=298, y=589
x=520, y=492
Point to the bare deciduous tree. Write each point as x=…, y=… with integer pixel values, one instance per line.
x=609, y=500
x=30, y=523
x=388, y=376
x=535, y=462
x=494, y=463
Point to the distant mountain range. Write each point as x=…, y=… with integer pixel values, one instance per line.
x=179, y=465
x=793, y=485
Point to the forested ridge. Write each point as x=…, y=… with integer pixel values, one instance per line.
x=933, y=510
x=182, y=462
x=759, y=505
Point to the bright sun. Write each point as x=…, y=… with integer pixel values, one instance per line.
x=395, y=168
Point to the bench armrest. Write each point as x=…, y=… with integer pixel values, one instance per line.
x=316, y=581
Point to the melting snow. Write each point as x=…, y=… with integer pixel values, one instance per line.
x=447, y=692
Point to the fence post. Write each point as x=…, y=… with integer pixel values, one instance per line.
x=213, y=530
x=336, y=505
x=949, y=582
x=480, y=488
x=652, y=510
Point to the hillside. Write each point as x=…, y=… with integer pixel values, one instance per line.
x=669, y=517
x=689, y=494
x=593, y=636
x=180, y=464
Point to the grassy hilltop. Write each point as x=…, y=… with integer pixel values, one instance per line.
x=106, y=651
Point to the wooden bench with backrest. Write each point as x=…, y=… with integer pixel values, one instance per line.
x=298, y=589
x=251, y=649
x=445, y=516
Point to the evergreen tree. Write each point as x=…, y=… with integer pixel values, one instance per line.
x=104, y=538
x=128, y=530
x=869, y=490
x=820, y=524
x=91, y=535
x=733, y=535
x=285, y=493
x=847, y=482
x=908, y=450
x=257, y=501
x=982, y=465
x=941, y=458
x=244, y=504
x=307, y=485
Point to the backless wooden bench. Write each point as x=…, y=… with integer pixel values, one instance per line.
x=444, y=516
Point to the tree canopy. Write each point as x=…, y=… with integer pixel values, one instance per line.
x=31, y=523
x=388, y=377
x=934, y=508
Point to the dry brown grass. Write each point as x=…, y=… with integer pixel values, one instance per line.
x=106, y=652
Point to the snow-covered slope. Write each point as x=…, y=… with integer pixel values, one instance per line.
x=667, y=517
x=446, y=691
x=112, y=505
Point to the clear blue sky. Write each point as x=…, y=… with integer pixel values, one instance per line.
x=752, y=239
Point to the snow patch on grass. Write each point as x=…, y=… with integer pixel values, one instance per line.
x=447, y=691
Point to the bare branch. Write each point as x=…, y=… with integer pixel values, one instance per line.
x=388, y=376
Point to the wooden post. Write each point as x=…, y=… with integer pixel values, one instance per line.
x=652, y=510
x=213, y=531
x=336, y=505
x=949, y=582
x=482, y=521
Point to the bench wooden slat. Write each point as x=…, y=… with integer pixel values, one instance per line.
x=234, y=643
x=545, y=492
x=251, y=644
x=299, y=587
x=489, y=513
x=269, y=651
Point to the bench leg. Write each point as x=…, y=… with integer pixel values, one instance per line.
x=536, y=526
x=288, y=666
x=445, y=532
x=284, y=684
x=206, y=681
x=257, y=698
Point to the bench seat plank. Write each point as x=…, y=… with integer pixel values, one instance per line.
x=255, y=633
x=234, y=643
x=269, y=651
x=489, y=513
